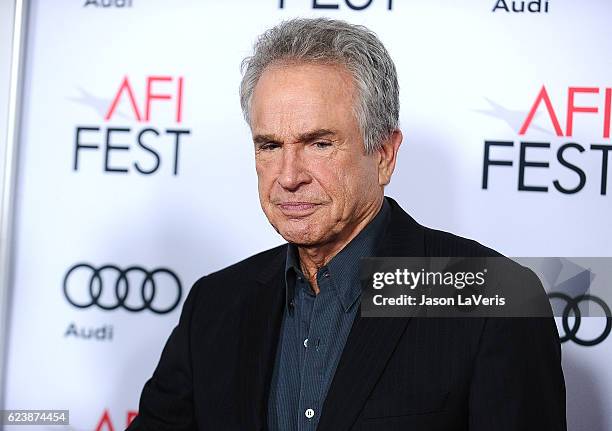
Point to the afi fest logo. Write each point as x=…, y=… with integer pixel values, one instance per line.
x=118, y=147
x=560, y=162
x=106, y=424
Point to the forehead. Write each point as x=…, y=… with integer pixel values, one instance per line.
x=292, y=98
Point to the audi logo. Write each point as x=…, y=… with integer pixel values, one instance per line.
x=572, y=305
x=134, y=289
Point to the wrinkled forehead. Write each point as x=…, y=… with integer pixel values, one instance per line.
x=292, y=98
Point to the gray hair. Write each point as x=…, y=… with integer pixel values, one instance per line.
x=325, y=41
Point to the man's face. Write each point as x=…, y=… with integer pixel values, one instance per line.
x=316, y=183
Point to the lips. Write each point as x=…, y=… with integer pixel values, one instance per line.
x=297, y=209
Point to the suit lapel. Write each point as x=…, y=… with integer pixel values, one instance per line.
x=260, y=328
x=371, y=340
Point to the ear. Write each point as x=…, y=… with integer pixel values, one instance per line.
x=387, y=154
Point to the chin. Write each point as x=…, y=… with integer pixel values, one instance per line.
x=301, y=236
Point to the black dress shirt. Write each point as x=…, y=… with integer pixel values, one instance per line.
x=315, y=329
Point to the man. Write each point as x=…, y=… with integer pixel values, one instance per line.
x=277, y=341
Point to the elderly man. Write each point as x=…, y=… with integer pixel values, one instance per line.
x=277, y=341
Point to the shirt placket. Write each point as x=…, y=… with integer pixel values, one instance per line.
x=314, y=347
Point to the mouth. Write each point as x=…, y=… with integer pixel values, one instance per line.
x=297, y=209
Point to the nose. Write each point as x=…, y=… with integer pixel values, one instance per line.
x=293, y=172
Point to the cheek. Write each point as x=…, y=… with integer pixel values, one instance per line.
x=359, y=181
x=331, y=178
x=265, y=178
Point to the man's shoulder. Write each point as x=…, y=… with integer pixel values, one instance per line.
x=442, y=243
x=518, y=283
x=229, y=287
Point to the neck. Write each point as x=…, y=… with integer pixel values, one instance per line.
x=312, y=258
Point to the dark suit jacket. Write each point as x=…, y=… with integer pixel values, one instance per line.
x=478, y=374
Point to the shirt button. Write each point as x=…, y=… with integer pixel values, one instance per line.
x=326, y=274
x=306, y=342
x=309, y=413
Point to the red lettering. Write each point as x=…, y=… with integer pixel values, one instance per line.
x=179, y=102
x=607, y=109
x=572, y=108
x=125, y=85
x=105, y=420
x=542, y=96
x=150, y=96
x=131, y=414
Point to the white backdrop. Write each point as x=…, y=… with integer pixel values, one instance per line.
x=468, y=74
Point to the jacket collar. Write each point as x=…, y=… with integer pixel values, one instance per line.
x=371, y=340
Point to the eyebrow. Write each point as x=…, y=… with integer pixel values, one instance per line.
x=304, y=137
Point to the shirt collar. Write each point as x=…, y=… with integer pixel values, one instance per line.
x=344, y=267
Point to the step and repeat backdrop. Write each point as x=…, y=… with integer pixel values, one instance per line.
x=136, y=171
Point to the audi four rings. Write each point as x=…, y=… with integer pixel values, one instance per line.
x=572, y=305
x=148, y=288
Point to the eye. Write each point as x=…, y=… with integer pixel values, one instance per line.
x=322, y=144
x=268, y=146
